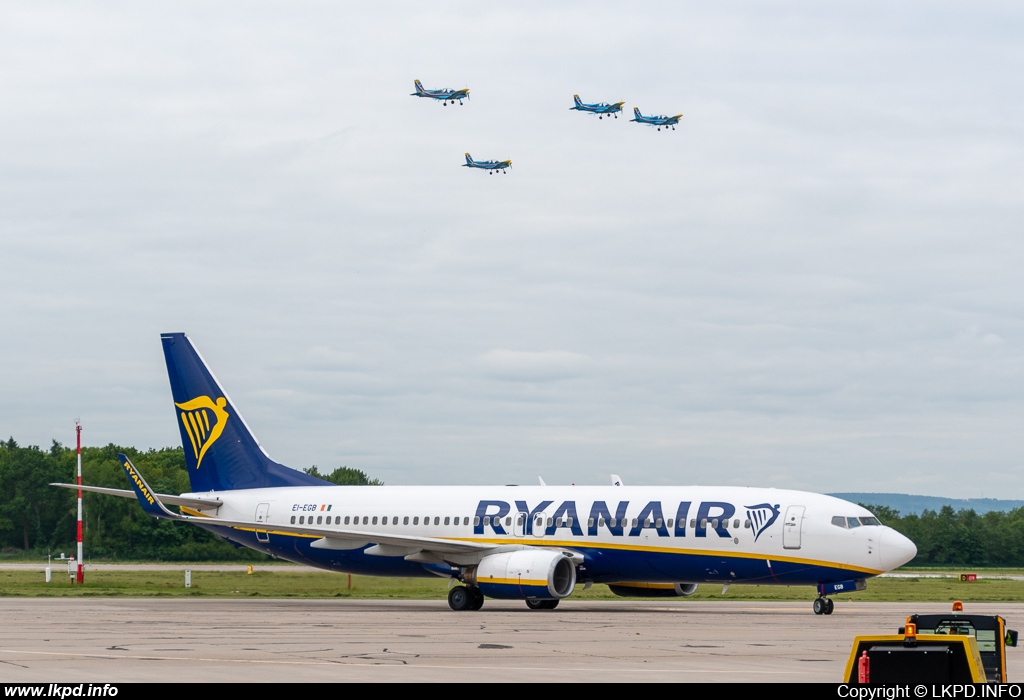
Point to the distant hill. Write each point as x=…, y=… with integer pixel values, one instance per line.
x=914, y=505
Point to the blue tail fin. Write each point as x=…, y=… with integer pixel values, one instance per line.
x=469, y=159
x=220, y=451
x=419, y=86
x=577, y=100
x=636, y=112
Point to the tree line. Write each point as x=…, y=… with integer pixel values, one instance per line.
x=36, y=518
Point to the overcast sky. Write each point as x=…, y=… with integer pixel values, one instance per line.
x=815, y=282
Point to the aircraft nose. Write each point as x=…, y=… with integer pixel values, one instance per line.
x=896, y=549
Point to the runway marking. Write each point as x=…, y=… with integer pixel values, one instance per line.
x=558, y=669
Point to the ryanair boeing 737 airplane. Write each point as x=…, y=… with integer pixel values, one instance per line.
x=530, y=543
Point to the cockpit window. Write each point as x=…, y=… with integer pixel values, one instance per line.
x=869, y=521
x=839, y=521
x=854, y=522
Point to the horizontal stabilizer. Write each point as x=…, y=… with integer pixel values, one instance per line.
x=197, y=503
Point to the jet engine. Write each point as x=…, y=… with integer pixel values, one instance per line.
x=653, y=590
x=542, y=574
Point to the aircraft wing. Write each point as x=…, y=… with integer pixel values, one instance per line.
x=197, y=503
x=332, y=539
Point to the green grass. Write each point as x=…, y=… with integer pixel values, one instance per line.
x=317, y=584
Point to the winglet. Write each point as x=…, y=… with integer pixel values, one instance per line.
x=147, y=497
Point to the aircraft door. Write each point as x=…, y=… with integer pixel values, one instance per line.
x=263, y=516
x=519, y=524
x=792, y=527
x=539, y=525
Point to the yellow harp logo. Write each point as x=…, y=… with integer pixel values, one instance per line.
x=204, y=421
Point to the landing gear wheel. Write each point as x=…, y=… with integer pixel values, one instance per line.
x=459, y=598
x=820, y=605
x=541, y=604
x=830, y=605
x=478, y=599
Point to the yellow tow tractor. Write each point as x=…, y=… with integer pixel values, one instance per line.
x=942, y=648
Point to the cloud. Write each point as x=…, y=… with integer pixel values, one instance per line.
x=542, y=366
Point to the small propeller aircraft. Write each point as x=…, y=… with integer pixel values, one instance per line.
x=489, y=165
x=660, y=121
x=446, y=95
x=598, y=108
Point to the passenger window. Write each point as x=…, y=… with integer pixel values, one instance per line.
x=657, y=523
x=669, y=523
x=634, y=522
x=416, y=520
x=570, y=523
x=612, y=523
x=293, y=520
x=590, y=523
x=476, y=521
x=693, y=523
x=508, y=521
x=746, y=524
x=437, y=520
x=703, y=523
x=375, y=520
x=549, y=522
x=487, y=521
x=447, y=520
x=736, y=524
x=853, y=522
x=714, y=524
x=366, y=520
x=319, y=520
x=540, y=521
x=405, y=520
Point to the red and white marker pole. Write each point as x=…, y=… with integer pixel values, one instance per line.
x=78, y=433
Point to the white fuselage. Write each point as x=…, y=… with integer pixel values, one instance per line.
x=621, y=533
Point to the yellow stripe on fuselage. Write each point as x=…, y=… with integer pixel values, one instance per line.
x=571, y=544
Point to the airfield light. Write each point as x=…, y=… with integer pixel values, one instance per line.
x=958, y=606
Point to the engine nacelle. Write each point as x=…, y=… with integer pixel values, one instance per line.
x=653, y=590
x=542, y=574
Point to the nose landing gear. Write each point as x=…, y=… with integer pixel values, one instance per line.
x=824, y=606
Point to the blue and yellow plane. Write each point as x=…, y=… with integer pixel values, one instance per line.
x=661, y=121
x=446, y=95
x=489, y=165
x=598, y=108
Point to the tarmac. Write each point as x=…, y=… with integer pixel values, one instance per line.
x=111, y=640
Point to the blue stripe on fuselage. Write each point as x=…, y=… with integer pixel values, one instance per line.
x=601, y=564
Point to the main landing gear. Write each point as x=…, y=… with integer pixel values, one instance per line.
x=541, y=604
x=824, y=606
x=465, y=598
